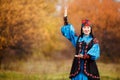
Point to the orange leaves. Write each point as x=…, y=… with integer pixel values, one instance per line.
x=27, y=27
x=102, y=13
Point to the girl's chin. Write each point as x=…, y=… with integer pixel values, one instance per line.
x=86, y=33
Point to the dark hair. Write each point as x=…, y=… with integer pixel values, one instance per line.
x=91, y=34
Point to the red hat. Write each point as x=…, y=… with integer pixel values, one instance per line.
x=85, y=23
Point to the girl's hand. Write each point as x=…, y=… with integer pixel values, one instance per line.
x=79, y=55
x=65, y=12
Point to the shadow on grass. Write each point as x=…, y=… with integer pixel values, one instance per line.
x=10, y=75
x=109, y=78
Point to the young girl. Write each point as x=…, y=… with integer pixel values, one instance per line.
x=87, y=51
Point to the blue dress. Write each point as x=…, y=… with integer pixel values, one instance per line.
x=69, y=32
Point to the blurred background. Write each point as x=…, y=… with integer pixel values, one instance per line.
x=33, y=48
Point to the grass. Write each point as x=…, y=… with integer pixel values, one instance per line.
x=55, y=70
x=11, y=75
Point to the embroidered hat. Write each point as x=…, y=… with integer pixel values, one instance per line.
x=85, y=23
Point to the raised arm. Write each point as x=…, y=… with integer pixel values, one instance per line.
x=65, y=17
x=68, y=30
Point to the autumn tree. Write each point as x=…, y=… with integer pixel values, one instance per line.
x=27, y=28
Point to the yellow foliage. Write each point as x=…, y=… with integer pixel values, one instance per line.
x=28, y=26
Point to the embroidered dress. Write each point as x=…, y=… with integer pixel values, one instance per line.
x=81, y=73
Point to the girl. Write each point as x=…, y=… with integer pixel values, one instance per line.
x=87, y=51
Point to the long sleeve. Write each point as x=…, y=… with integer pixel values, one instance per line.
x=69, y=32
x=65, y=20
x=94, y=52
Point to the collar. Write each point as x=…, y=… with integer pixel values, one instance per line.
x=86, y=36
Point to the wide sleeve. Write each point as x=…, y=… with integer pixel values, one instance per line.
x=69, y=32
x=94, y=52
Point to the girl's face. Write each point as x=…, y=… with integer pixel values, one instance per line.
x=86, y=30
